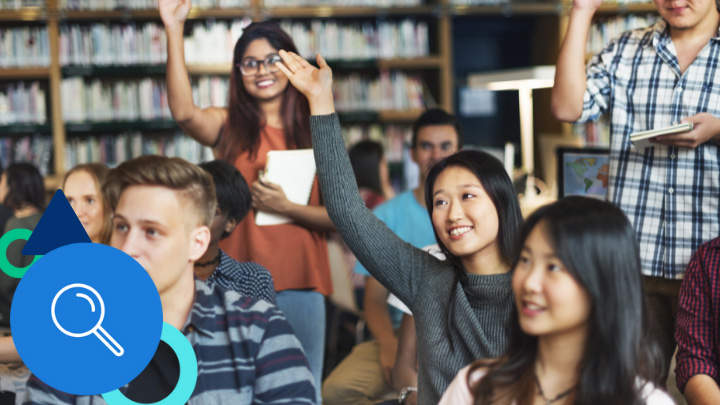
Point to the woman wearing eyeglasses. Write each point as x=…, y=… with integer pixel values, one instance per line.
x=264, y=113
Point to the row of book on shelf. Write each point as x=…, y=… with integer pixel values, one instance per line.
x=212, y=42
x=604, y=30
x=394, y=138
x=35, y=149
x=18, y=4
x=96, y=5
x=117, y=148
x=22, y=103
x=24, y=47
x=88, y=100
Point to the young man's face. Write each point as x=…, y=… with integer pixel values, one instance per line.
x=683, y=15
x=434, y=142
x=152, y=225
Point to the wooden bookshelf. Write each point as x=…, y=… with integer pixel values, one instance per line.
x=551, y=18
x=25, y=73
x=23, y=14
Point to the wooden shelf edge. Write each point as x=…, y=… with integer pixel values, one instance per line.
x=24, y=14
x=627, y=8
x=220, y=69
x=25, y=73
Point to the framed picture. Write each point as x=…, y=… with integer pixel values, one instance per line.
x=582, y=171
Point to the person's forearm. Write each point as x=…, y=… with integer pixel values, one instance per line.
x=701, y=389
x=404, y=373
x=314, y=217
x=570, y=79
x=178, y=84
x=379, y=322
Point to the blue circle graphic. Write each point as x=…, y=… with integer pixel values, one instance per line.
x=188, y=372
x=86, y=319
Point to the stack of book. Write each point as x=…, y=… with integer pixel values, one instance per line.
x=392, y=137
x=112, y=44
x=381, y=39
x=18, y=4
x=36, y=149
x=210, y=91
x=604, y=30
x=343, y=3
x=143, y=4
x=391, y=91
x=212, y=42
x=22, y=103
x=99, y=101
x=24, y=47
x=117, y=148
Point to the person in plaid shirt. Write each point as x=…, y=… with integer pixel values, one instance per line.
x=698, y=327
x=646, y=79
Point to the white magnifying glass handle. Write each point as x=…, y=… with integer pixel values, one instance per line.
x=114, y=347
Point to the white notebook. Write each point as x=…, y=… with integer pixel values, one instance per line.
x=294, y=172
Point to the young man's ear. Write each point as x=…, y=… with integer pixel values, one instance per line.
x=199, y=242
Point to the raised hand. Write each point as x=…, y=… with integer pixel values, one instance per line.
x=314, y=83
x=174, y=12
x=586, y=5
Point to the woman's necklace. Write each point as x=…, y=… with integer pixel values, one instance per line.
x=549, y=401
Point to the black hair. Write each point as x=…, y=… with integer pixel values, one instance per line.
x=597, y=244
x=25, y=186
x=436, y=116
x=497, y=184
x=365, y=158
x=231, y=189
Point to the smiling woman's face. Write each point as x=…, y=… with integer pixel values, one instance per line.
x=264, y=86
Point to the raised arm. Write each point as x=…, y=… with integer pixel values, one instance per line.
x=570, y=79
x=203, y=125
x=395, y=264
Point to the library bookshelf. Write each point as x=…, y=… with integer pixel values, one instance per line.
x=435, y=68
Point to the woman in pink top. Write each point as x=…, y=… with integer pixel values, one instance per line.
x=580, y=330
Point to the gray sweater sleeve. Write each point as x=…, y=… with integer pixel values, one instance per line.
x=394, y=263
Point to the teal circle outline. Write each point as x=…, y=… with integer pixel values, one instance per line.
x=188, y=372
x=5, y=241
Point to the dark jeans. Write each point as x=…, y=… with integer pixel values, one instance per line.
x=662, y=297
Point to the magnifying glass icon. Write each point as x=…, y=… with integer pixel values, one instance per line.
x=97, y=330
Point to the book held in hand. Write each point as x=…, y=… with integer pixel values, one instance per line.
x=641, y=140
x=294, y=172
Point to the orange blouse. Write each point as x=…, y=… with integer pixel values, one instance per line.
x=295, y=256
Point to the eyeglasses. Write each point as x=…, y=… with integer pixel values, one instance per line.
x=251, y=66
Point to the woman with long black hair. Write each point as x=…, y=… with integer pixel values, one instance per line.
x=581, y=331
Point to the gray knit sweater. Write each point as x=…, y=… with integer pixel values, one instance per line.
x=481, y=307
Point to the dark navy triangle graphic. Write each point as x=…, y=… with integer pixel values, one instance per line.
x=58, y=226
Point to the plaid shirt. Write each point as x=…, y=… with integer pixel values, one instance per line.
x=670, y=194
x=246, y=278
x=698, y=321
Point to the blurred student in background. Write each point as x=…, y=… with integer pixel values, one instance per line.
x=233, y=203
x=83, y=189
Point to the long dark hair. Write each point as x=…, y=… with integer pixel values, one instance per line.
x=596, y=243
x=497, y=184
x=241, y=133
x=365, y=158
x=25, y=186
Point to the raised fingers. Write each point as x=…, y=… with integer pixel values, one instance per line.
x=290, y=62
